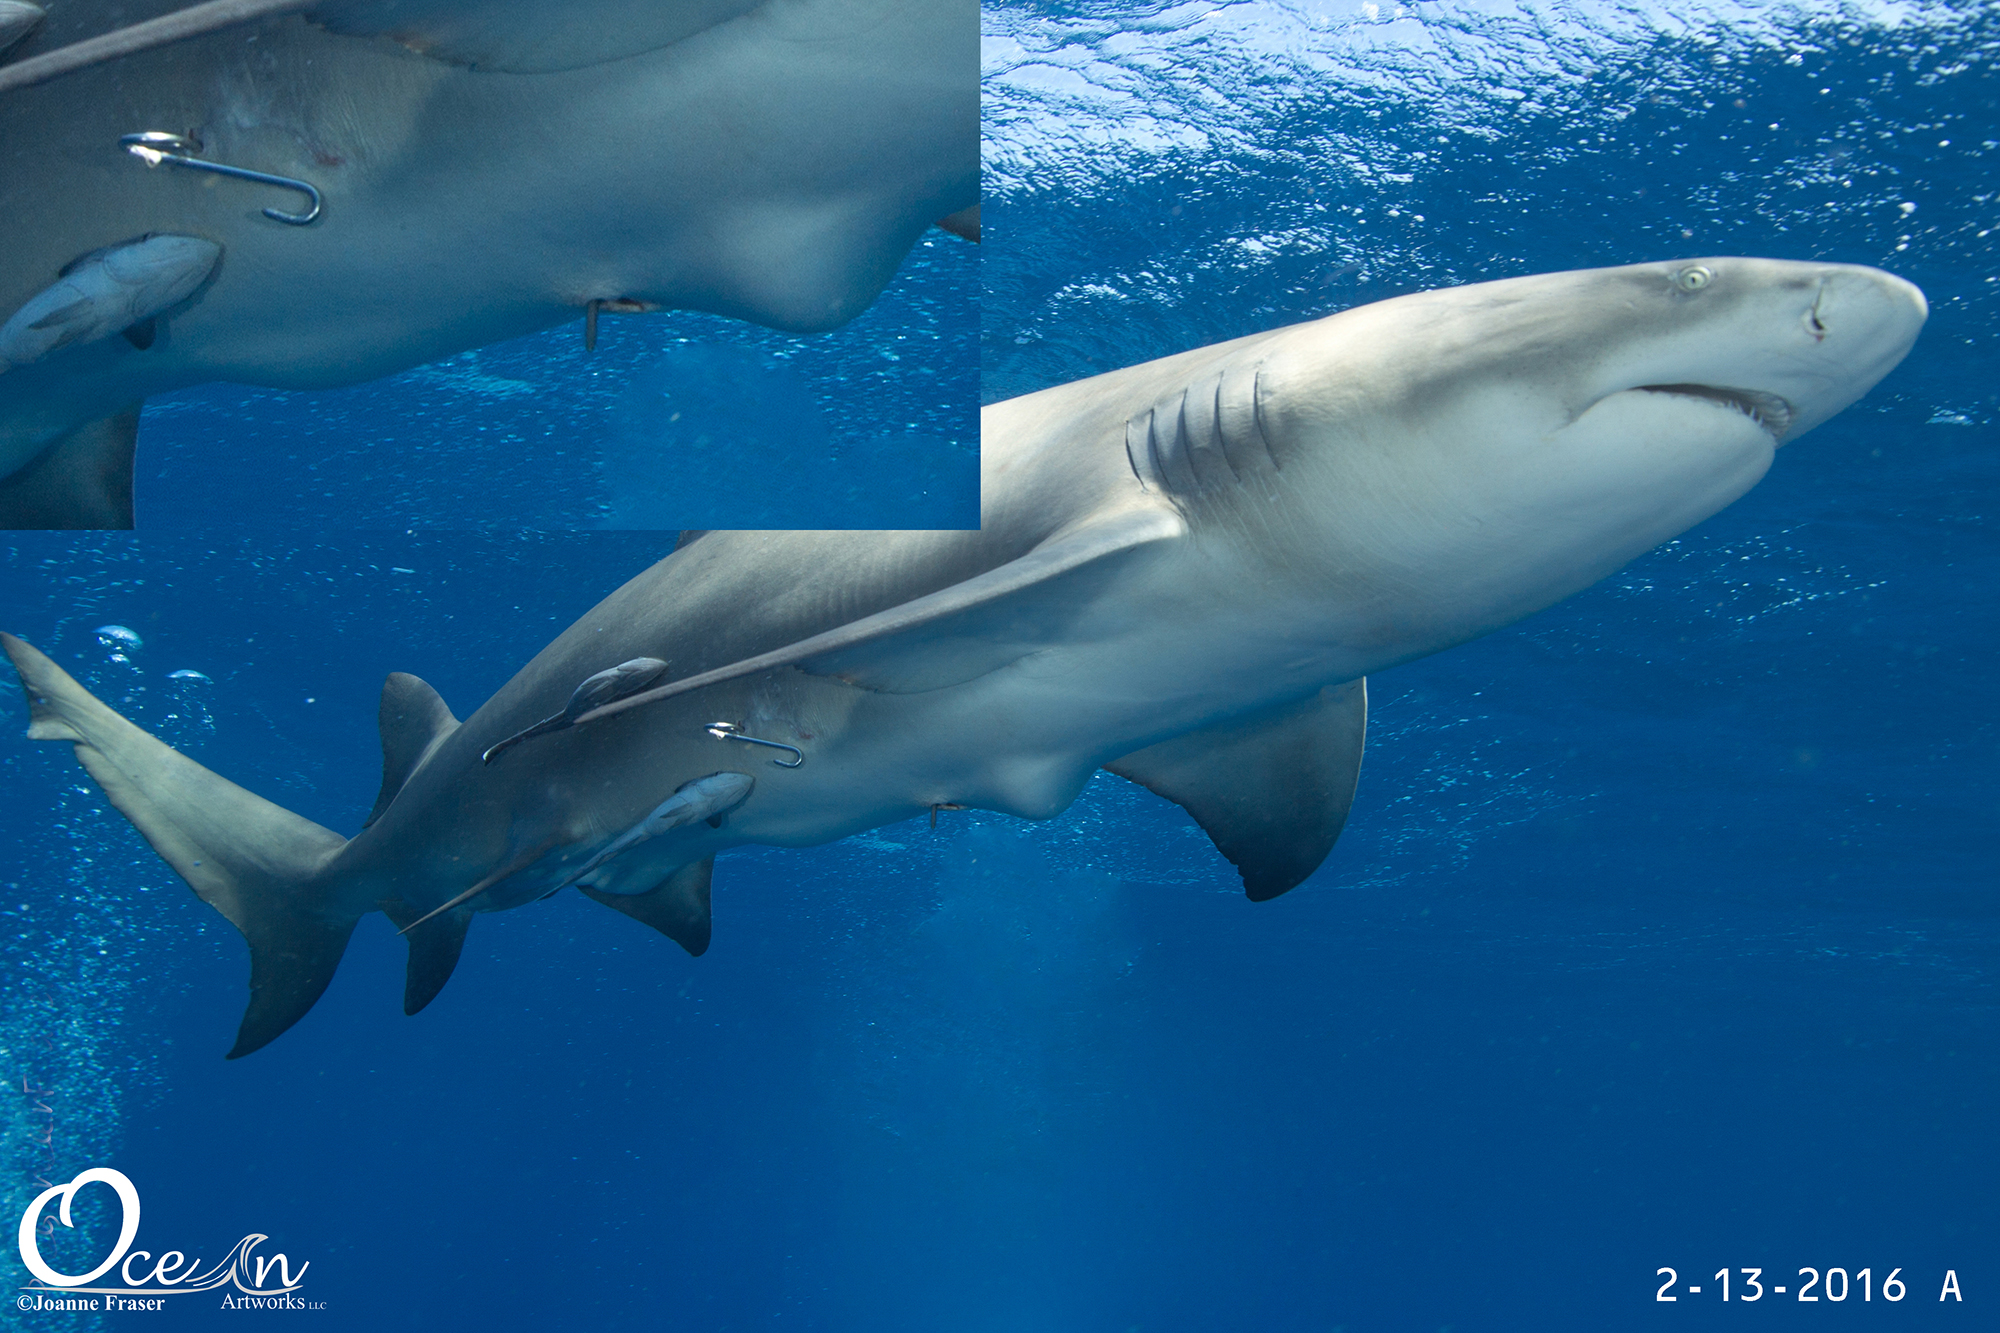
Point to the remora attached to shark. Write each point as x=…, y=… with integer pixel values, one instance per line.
x=1186, y=571
x=437, y=175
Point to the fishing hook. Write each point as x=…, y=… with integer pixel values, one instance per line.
x=726, y=731
x=156, y=146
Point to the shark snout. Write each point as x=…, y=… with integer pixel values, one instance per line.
x=1860, y=322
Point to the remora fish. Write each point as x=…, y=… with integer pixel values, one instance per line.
x=483, y=168
x=1187, y=569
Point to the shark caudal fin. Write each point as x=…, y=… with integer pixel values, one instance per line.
x=257, y=864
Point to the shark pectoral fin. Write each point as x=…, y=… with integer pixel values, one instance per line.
x=677, y=908
x=943, y=632
x=1272, y=792
x=83, y=480
x=434, y=948
x=965, y=222
x=414, y=722
x=264, y=868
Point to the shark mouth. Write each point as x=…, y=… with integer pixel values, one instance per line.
x=1768, y=410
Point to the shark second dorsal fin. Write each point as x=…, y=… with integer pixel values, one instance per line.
x=677, y=907
x=414, y=719
x=1272, y=792
x=435, y=943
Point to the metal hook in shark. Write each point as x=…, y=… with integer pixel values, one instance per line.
x=728, y=731
x=160, y=148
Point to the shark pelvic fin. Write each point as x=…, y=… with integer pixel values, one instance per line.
x=414, y=721
x=1272, y=792
x=262, y=867
x=434, y=948
x=83, y=480
x=677, y=908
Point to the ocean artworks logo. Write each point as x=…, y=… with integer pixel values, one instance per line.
x=259, y=1283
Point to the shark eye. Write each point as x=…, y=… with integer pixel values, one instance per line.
x=1693, y=278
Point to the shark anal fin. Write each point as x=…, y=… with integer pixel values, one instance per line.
x=1272, y=791
x=677, y=907
x=434, y=948
x=83, y=480
x=261, y=866
x=414, y=719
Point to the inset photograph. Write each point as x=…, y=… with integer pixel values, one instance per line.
x=451, y=264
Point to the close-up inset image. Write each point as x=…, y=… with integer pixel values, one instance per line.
x=205, y=205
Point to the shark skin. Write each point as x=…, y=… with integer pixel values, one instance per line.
x=1186, y=571
x=765, y=160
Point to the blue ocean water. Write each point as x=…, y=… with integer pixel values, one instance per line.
x=1662, y=934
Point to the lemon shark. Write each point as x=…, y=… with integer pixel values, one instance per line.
x=303, y=195
x=1187, y=569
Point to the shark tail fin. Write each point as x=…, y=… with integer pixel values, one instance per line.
x=257, y=864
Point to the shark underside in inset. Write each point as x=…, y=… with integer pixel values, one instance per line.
x=1186, y=570
x=309, y=193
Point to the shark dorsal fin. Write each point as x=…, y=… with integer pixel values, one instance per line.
x=1272, y=791
x=414, y=719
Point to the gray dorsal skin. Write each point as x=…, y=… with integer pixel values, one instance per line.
x=1185, y=570
x=479, y=182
